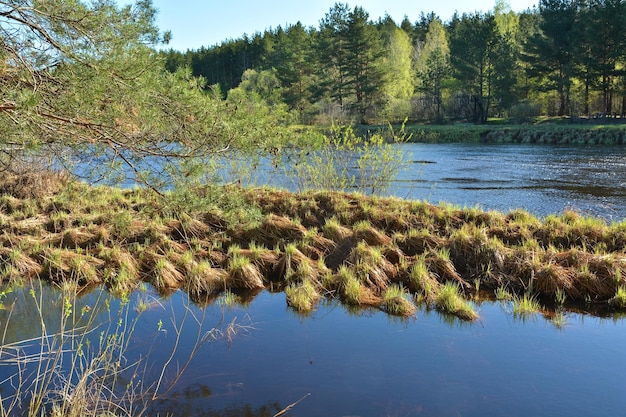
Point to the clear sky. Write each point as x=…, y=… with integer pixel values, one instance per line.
x=196, y=23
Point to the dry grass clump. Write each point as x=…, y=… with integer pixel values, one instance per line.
x=551, y=278
x=371, y=267
x=186, y=228
x=352, y=291
x=162, y=272
x=15, y=264
x=302, y=296
x=266, y=260
x=276, y=230
x=365, y=231
x=317, y=245
x=63, y=265
x=305, y=271
x=440, y=264
x=31, y=182
x=243, y=274
x=467, y=249
x=416, y=242
x=203, y=280
x=289, y=261
x=396, y=303
x=333, y=230
x=79, y=237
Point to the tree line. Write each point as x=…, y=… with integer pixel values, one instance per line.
x=560, y=58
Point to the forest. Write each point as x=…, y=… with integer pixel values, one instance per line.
x=562, y=58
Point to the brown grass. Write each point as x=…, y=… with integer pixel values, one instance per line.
x=289, y=260
x=243, y=274
x=417, y=242
x=203, y=280
x=275, y=230
x=120, y=238
x=37, y=183
x=372, y=236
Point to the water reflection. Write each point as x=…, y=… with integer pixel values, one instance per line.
x=363, y=362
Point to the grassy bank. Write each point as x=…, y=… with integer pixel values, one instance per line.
x=548, y=133
x=378, y=252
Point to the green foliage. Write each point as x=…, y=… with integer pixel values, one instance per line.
x=396, y=66
x=433, y=69
x=104, y=98
x=343, y=161
x=450, y=300
x=562, y=57
x=525, y=305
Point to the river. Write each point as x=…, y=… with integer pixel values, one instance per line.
x=542, y=179
x=338, y=362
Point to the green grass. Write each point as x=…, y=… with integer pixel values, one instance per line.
x=302, y=296
x=559, y=320
x=619, y=300
x=503, y=294
x=395, y=302
x=450, y=300
x=525, y=305
x=228, y=299
x=351, y=285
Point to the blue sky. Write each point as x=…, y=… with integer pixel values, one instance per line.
x=196, y=23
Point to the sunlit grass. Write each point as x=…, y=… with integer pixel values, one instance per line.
x=395, y=302
x=503, y=294
x=302, y=296
x=450, y=300
x=619, y=300
x=525, y=305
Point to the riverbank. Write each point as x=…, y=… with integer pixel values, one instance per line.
x=384, y=253
x=547, y=133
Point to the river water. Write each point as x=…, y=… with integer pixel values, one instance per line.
x=542, y=179
x=345, y=363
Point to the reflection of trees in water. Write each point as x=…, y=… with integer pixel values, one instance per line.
x=44, y=328
x=185, y=408
x=21, y=317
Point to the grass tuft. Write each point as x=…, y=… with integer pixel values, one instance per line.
x=395, y=302
x=450, y=300
x=526, y=305
x=302, y=296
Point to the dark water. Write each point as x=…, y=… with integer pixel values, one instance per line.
x=368, y=364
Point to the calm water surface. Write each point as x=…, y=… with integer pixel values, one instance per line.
x=369, y=364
